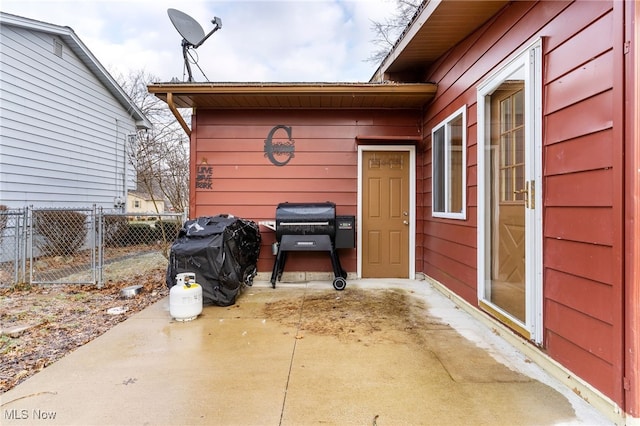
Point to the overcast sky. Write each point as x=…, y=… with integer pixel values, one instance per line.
x=260, y=40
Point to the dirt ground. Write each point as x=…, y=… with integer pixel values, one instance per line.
x=355, y=315
x=41, y=324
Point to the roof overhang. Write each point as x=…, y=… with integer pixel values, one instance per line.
x=437, y=26
x=296, y=95
x=293, y=96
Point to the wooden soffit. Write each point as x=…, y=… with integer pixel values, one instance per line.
x=295, y=95
x=437, y=26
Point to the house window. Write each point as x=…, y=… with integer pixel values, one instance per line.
x=510, y=135
x=136, y=204
x=449, y=161
x=57, y=47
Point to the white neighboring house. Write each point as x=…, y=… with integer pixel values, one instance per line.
x=144, y=205
x=64, y=121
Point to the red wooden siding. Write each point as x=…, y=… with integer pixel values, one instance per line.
x=324, y=167
x=583, y=207
x=582, y=199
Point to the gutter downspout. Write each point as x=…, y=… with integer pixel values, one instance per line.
x=177, y=115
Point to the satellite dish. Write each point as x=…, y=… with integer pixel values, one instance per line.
x=192, y=33
x=188, y=27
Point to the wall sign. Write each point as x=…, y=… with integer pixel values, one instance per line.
x=279, y=148
x=204, y=175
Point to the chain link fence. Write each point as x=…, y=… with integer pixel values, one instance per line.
x=12, y=245
x=131, y=243
x=62, y=247
x=82, y=246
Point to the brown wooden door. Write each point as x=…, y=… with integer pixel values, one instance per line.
x=385, y=214
x=508, y=196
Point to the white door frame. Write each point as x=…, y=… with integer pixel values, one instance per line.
x=412, y=202
x=530, y=59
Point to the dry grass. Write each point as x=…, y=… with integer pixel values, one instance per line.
x=60, y=318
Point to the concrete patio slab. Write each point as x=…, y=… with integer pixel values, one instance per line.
x=379, y=353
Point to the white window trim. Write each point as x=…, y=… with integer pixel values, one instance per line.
x=462, y=215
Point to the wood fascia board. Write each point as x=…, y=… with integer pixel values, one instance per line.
x=250, y=89
x=187, y=95
x=177, y=115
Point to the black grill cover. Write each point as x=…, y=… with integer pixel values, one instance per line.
x=305, y=219
x=222, y=251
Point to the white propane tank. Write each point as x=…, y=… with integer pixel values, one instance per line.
x=185, y=298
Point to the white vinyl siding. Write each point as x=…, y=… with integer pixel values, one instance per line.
x=63, y=134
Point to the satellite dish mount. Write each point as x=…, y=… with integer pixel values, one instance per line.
x=192, y=33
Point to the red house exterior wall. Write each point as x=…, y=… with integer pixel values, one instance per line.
x=583, y=176
x=230, y=144
x=590, y=161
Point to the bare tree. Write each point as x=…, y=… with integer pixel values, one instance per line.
x=174, y=180
x=159, y=156
x=387, y=31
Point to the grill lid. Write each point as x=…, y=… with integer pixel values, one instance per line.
x=305, y=219
x=308, y=211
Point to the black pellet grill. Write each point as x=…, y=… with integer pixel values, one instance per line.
x=312, y=227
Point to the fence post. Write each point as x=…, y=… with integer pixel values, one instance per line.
x=30, y=241
x=99, y=242
x=16, y=255
x=22, y=247
x=93, y=241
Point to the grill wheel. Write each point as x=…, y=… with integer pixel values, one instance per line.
x=339, y=283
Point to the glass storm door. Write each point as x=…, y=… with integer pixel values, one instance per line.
x=509, y=224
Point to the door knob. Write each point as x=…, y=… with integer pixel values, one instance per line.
x=529, y=194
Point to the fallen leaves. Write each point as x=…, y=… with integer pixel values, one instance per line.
x=49, y=321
